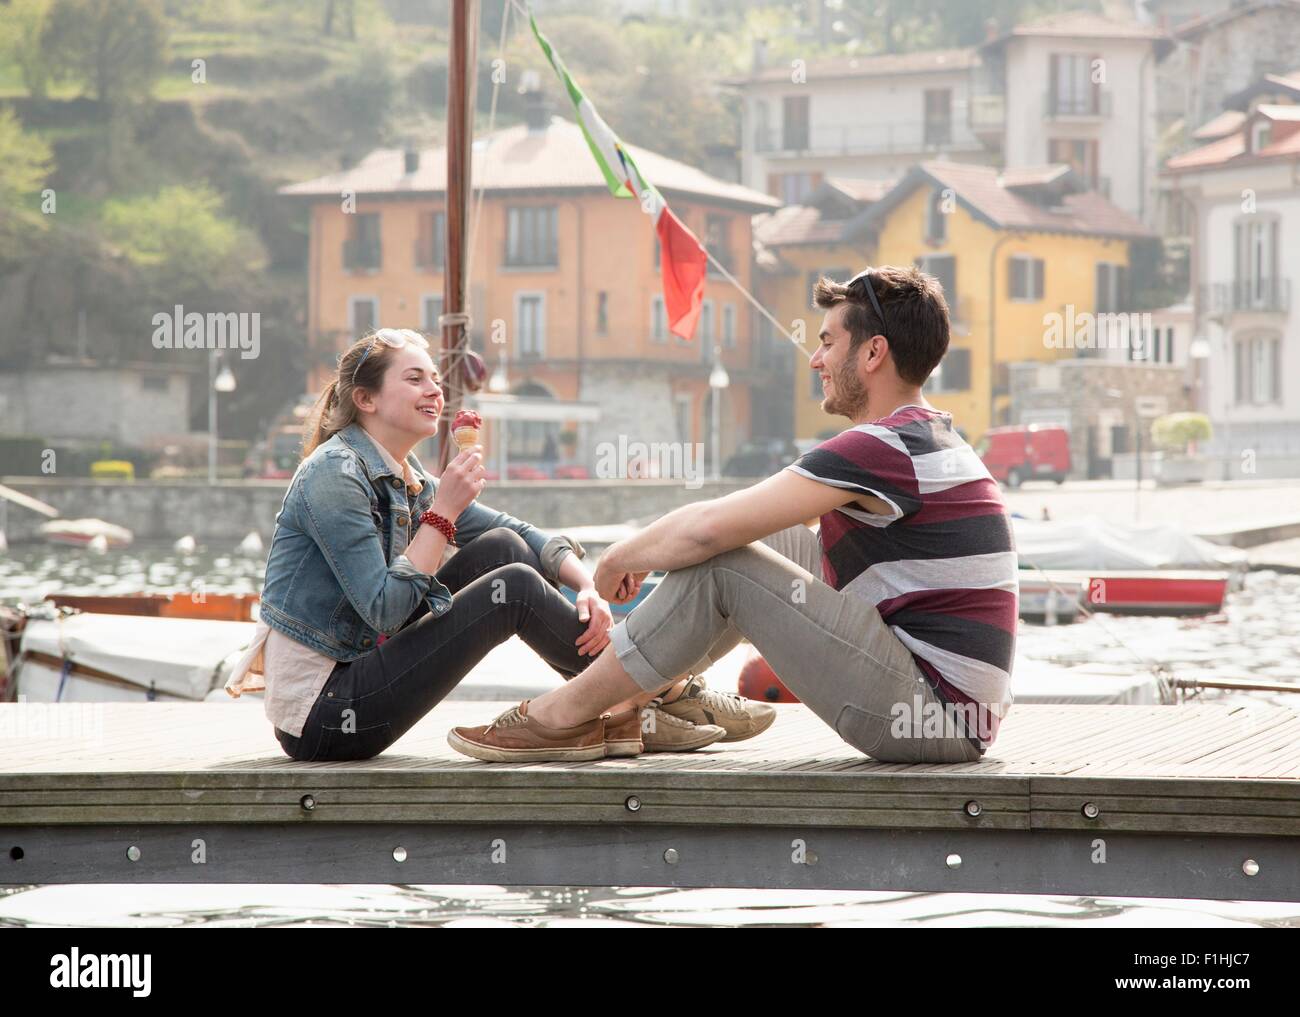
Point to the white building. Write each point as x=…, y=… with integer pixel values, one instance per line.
x=1076, y=88
x=866, y=117
x=1245, y=217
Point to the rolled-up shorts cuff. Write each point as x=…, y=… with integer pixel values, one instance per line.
x=634, y=663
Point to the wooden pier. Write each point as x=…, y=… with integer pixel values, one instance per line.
x=1197, y=800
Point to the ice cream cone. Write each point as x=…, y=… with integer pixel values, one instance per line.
x=465, y=437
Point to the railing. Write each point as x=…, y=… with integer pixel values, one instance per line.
x=1271, y=295
x=866, y=139
x=1092, y=104
x=987, y=112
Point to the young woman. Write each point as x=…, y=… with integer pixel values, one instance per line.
x=363, y=630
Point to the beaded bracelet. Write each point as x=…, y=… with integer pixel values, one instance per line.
x=444, y=524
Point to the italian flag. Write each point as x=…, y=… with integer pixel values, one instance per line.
x=680, y=253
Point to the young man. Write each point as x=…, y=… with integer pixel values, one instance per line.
x=895, y=624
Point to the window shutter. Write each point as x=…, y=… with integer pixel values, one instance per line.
x=1096, y=85
x=956, y=370
x=1015, y=277
x=1053, y=77
x=1275, y=367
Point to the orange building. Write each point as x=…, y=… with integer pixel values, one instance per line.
x=564, y=287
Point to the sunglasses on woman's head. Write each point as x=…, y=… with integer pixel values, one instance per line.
x=394, y=337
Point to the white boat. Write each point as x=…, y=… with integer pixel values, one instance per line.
x=84, y=532
x=85, y=657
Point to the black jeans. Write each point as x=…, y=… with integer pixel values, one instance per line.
x=497, y=591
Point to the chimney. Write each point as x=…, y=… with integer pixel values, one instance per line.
x=759, y=55
x=991, y=30
x=537, y=115
x=411, y=160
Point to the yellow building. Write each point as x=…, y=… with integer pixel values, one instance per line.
x=1027, y=259
x=826, y=235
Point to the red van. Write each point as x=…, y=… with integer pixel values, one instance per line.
x=1026, y=452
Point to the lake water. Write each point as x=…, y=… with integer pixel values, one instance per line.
x=1256, y=637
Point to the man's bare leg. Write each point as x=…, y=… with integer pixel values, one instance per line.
x=603, y=687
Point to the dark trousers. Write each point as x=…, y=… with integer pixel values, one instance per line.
x=497, y=591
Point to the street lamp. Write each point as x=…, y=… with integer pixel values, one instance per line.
x=223, y=381
x=718, y=380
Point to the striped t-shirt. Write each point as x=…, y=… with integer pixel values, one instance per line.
x=941, y=566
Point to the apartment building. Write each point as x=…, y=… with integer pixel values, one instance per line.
x=565, y=288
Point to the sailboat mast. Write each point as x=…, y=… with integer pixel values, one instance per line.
x=461, y=76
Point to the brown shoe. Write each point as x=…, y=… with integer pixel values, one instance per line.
x=742, y=718
x=514, y=737
x=662, y=732
x=623, y=733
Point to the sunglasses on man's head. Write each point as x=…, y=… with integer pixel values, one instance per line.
x=861, y=283
x=394, y=337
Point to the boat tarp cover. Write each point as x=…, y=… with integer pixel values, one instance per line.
x=180, y=656
x=1092, y=542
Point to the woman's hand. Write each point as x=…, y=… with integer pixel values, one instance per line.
x=592, y=608
x=462, y=481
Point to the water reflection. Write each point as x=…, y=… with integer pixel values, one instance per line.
x=275, y=906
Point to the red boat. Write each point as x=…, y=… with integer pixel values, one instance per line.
x=1173, y=592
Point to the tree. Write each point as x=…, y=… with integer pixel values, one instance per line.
x=114, y=48
x=24, y=164
x=20, y=41
x=1181, y=432
x=181, y=239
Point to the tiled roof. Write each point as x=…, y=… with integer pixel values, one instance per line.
x=517, y=159
x=1234, y=147
x=983, y=191
x=874, y=65
x=1197, y=27
x=1275, y=112
x=1033, y=176
x=1082, y=25
x=862, y=190
x=1224, y=124
x=831, y=214
x=796, y=224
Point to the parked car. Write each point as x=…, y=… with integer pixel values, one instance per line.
x=276, y=456
x=1023, y=452
x=761, y=458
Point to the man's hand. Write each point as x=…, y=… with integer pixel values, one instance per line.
x=612, y=581
x=592, y=608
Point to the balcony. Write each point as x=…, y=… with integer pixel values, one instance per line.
x=865, y=139
x=1246, y=296
x=361, y=255
x=987, y=114
x=428, y=255
x=1090, y=106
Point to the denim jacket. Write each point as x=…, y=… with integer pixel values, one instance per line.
x=337, y=574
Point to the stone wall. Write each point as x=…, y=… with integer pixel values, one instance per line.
x=1074, y=393
x=168, y=510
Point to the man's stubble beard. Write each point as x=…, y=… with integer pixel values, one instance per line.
x=850, y=397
